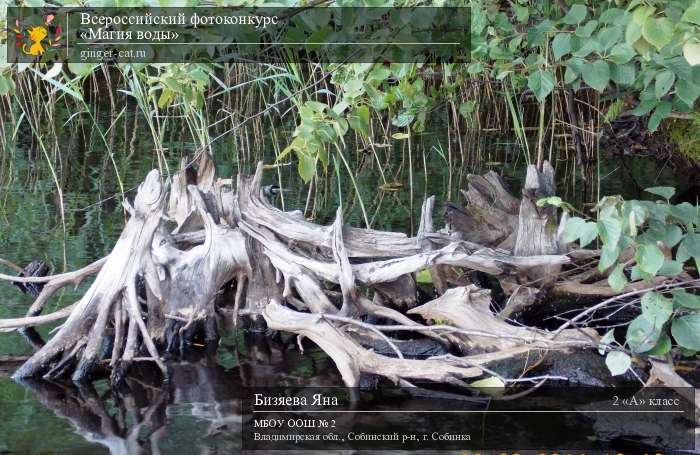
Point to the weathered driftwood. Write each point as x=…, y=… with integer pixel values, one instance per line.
x=468, y=308
x=232, y=254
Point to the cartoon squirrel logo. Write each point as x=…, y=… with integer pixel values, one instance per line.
x=33, y=40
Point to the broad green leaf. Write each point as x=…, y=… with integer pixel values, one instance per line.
x=570, y=75
x=621, y=53
x=307, y=166
x=660, y=113
x=576, y=14
x=689, y=247
x=561, y=45
x=617, y=279
x=692, y=14
x=541, y=83
x=642, y=335
x=637, y=274
x=685, y=212
x=612, y=15
x=649, y=257
x=687, y=92
x=586, y=48
x=610, y=228
x=588, y=233
x=665, y=192
x=670, y=269
x=587, y=30
x=663, y=346
x=608, y=256
x=597, y=75
x=664, y=82
x=672, y=235
x=686, y=331
x=634, y=27
x=623, y=74
x=424, y=277
x=359, y=120
x=644, y=107
x=658, y=31
x=572, y=229
x=618, y=362
x=608, y=37
x=656, y=308
x=686, y=300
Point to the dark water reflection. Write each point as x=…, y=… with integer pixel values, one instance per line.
x=197, y=411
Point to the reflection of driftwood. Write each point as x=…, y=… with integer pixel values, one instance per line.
x=90, y=417
x=233, y=253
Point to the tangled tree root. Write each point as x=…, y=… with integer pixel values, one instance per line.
x=195, y=257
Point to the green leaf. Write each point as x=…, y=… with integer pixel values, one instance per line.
x=649, y=257
x=660, y=113
x=642, y=335
x=665, y=192
x=664, y=82
x=587, y=30
x=589, y=232
x=570, y=75
x=686, y=300
x=663, y=346
x=608, y=256
x=609, y=36
x=541, y=83
x=685, y=212
x=573, y=229
x=638, y=274
x=692, y=14
x=623, y=74
x=359, y=120
x=621, y=53
x=689, y=247
x=658, y=31
x=307, y=166
x=670, y=269
x=424, y=277
x=597, y=75
x=617, y=279
x=672, y=235
x=610, y=228
x=561, y=45
x=618, y=362
x=656, y=308
x=577, y=13
x=687, y=92
x=686, y=331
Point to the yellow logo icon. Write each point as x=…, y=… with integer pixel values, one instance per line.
x=36, y=40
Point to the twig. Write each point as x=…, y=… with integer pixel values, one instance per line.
x=364, y=325
x=664, y=285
